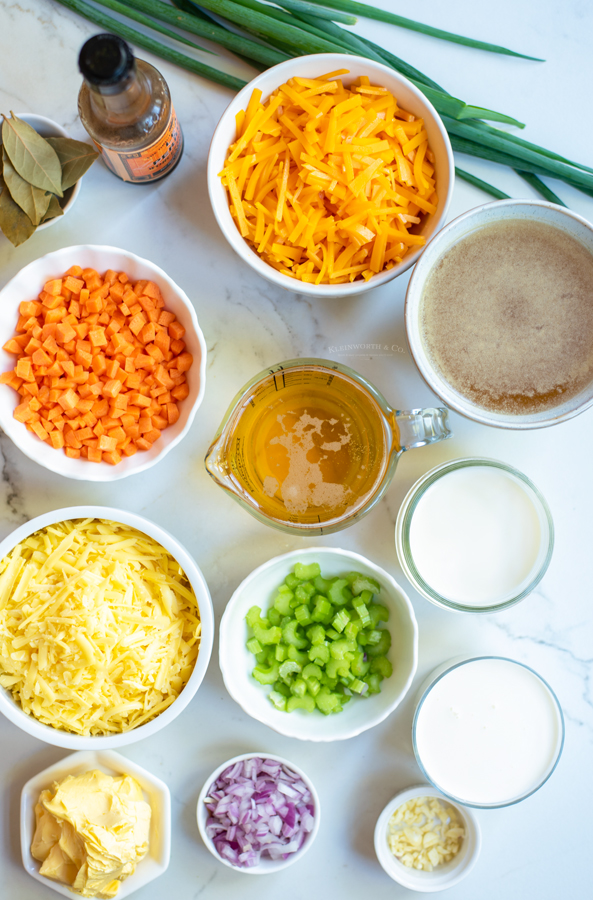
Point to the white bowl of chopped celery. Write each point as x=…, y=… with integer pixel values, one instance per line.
x=307, y=684
x=107, y=627
x=408, y=98
x=425, y=841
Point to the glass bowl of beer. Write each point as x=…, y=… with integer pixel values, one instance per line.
x=499, y=316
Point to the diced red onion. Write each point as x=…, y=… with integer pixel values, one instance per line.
x=258, y=807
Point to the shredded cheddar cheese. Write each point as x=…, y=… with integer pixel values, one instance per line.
x=99, y=627
x=326, y=182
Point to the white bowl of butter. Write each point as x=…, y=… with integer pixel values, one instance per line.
x=154, y=791
x=88, y=669
x=465, y=851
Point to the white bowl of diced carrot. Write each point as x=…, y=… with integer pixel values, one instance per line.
x=103, y=363
x=306, y=213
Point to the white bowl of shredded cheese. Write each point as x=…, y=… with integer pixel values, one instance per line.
x=405, y=836
x=313, y=67
x=106, y=627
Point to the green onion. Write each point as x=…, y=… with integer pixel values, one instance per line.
x=208, y=29
x=148, y=43
x=540, y=187
x=301, y=6
x=483, y=185
x=371, y=12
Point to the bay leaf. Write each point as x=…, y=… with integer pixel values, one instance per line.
x=75, y=158
x=16, y=225
x=32, y=157
x=31, y=200
x=54, y=209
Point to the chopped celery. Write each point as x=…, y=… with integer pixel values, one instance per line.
x=282, y=603
x=322, y=585
x=292, y=634
x=266, y=676
x=316, y=634
x=378, y=613
x=305, y=591
x=373, y=637
x=341, y=619
x=382, y=647
x=303, y=615
x=278, y=700
x=305, y=572
x=280, y=652
x=339, y=593
x=382, y=665
x=298, y=687
x=321, y=642
x=365, y=583
x=322, y=611
x=287, y=669
x=306, y=702
x=254, y=646
x=319, y=653
x=362, y=611
x=297, y=655
x=311, y=671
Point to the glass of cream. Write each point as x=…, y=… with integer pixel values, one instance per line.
x=474, y=535
x=487, y=731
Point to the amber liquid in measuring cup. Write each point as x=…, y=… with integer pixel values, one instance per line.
x=309, y=445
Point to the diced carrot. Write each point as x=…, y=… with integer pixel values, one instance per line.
x=107, y=443
x=68, y=400
x=184, y=362
x=94, y=455
x=130, y=449
x=71, y=440
x=11, y=346
x=181, y=392
x=176, y=330
x=64, y=333
x=162, y=341
x=72, y=453
x=53, y=287
x=84, y=434
x=145, y=424
x=160, y=422
x=112, y=388
x=22, y=413
x=24, y=369
x=57, y=439
x=100, y=408
x=112, y=458
x=165, y=318
x=98, y=338
x=147, y=334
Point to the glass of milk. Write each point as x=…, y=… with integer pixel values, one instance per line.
x=488, y=731
x=474, y=535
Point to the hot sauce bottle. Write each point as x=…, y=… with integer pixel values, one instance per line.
x=125, y=106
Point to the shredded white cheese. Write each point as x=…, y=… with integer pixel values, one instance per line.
x=99, y=627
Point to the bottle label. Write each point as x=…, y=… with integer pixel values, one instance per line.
x=154, y=161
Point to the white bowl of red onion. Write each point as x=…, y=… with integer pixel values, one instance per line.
x=272, y=832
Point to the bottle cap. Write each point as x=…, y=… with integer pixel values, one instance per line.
x=105, y=59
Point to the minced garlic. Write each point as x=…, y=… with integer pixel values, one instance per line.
x=99, y=627
x=423, y=833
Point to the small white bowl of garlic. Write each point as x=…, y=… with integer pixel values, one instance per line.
x=439, y=840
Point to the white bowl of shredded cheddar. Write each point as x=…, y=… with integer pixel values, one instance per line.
x=106, y=627
x=85, y=389
x=328, y=174
x=110, y=842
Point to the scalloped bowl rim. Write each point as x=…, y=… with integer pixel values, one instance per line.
x=55, y=736
x=55, y=460
x=251, y=697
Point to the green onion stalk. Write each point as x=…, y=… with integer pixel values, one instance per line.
x=264, y=35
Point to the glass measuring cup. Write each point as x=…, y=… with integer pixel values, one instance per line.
x=309, y=446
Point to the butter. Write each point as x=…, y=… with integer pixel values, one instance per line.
x=91, y=831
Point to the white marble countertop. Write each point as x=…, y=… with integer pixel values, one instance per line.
x=538, y=848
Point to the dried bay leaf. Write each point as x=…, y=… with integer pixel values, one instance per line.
x=32, y=200
x=54, y=209
x=75, y=158
x=16, y=225
x=33, y=158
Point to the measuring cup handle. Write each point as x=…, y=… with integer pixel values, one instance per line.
x=418, y=427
